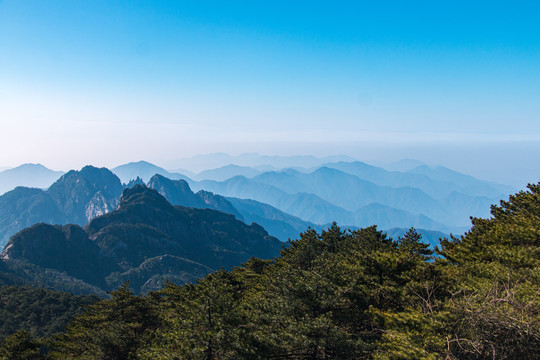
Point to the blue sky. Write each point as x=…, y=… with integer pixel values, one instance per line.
x=107, y=82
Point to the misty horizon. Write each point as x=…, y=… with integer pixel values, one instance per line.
x=108, y=83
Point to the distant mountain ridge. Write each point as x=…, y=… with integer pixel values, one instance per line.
x=466, y=182
x=226, y=172
x=200, y=163
x=427, y=179
x=143, y=170
x=327, y=194
x=312, y=208
x=29, y=175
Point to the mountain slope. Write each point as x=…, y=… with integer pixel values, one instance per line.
x=350, y=192
x=87, y=193
x=386, y=217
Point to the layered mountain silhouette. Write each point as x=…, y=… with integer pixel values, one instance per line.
x=284, y=202
x=312, y=208
x=467, y=183
x=146, y=240
x=436, y=182
x=30, y=175
x=328, y=194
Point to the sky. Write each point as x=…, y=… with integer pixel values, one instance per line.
x=455, y=83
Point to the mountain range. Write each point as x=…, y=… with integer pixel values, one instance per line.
x=284, y=202
x=146, y=240
x=79, y=196
x=90, y=230
x=358, y=199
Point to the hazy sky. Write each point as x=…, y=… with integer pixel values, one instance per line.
x=107, y=82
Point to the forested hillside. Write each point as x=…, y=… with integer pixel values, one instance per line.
x=146, y=240
x=41, y=312
x=335, y=295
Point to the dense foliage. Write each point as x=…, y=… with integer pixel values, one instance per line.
x=336, y=295
x=41, y=312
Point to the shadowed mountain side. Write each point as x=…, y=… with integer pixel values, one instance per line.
x=25, y=207
x=209, y=237
x=76, y=197
x=277, y=223
x=130, y=242
x=29, y=175
x=62, y=248
x=144, y=170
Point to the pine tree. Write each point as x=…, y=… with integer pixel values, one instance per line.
x=111, y=329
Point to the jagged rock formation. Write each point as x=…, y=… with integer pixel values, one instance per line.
x=77, y=197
